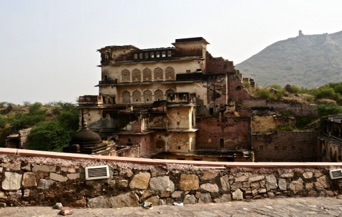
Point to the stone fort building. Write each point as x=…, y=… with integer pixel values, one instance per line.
x=175, y=102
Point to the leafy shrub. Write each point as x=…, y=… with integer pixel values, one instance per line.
x=328, y=109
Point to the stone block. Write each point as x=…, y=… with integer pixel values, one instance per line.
x=241, y=179
x=271, y=182
x=256, y=178
x=282, y=184
x=225, y=198
x=98, y=202
x=129, y=199
x=27, y=167
x=79, y=203
x=68, y=169
x=307, y=175
x=205, y=198
x=322, y=183
x=26, y=193
x=154, y=200
x=29, y=179
x=287, y=175
x=177, y=194
x=1, y=169
x=45, y=184
x=2, y=195
x=73, y=176
x=12, y=181
x=237, y=195
x=140, y=181
x=235, y=186
x=189, y=199
x=146, y=194
x=209, y=187
x=312, y=193
x=255, y=185
x=189, y=182
x=164, y=194
x=262, y=191
x=44, y=168
x=123, y=183
x=209, y=175
x=162, y=183
x=309, y=186
x=58, y=177
x=225, y=183
x=296, y=186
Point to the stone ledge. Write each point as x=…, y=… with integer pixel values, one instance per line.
x=196, y=164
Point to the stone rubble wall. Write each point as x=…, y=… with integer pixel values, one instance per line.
x=45, y=180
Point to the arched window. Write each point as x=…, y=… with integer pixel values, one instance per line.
x=169, y=73
x=125, y=76
x=136, y=96
x=136, y=75
x=158, y=95
x=147, y=74
x=147, y=96
x=158, y=74
x=126, y=97
x=170, y=94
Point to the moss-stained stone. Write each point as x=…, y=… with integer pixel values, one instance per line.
x=140, y=181
x=12, y=181
x=189, y=182
x=29, y=180
x=162, y=183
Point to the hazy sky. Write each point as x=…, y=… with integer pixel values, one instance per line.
x=48, y=47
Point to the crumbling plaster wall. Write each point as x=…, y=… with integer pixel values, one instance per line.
x=43, y=179
x=300, y=146
x=233, y=131
x=179, y=117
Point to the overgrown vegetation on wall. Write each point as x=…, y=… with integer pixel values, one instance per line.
x=52, y=124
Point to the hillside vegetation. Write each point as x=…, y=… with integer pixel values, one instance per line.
x=306, y=61
x=52, y=124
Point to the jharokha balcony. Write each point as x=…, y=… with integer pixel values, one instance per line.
x=90, y=100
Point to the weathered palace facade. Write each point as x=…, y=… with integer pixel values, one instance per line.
x=182, y=103
x=176, y=102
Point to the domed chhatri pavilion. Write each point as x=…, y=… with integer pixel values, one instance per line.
x=87, y=141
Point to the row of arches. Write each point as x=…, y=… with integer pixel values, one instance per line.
x=147, y=96
x=147, y=75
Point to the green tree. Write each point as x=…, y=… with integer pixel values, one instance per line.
x=48, y=136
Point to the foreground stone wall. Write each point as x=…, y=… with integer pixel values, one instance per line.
x=44, y=178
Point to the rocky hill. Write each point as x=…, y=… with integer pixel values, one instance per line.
x=306, y=60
